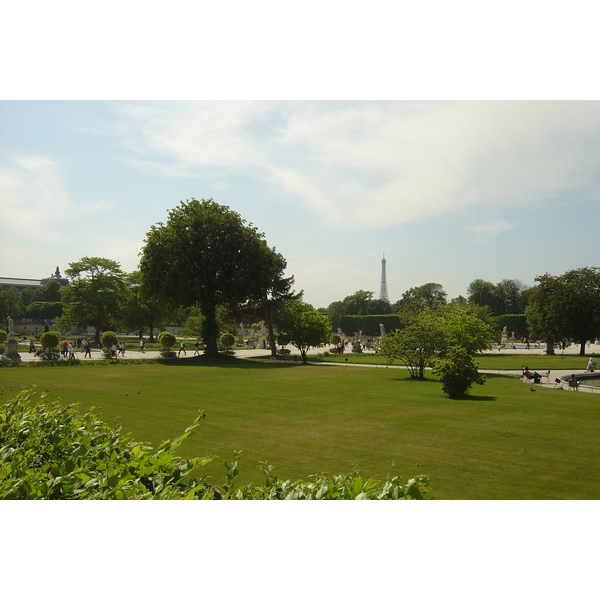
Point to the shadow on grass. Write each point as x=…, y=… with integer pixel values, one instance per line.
x=471, y=398
x=223, y=361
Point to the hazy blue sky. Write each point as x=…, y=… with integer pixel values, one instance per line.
x=450, y=191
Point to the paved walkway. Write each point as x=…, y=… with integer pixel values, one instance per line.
x=264, y=354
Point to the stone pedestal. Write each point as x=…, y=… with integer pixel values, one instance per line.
x=10, y=350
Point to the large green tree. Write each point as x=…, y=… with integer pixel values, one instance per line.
x=206, y=255
x=430, y=333
x=566, y=307
x=96, y=294
x=306, y=327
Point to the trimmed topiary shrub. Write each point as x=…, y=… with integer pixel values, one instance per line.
x=167, y=341
x=49, y=341
x=107, y=341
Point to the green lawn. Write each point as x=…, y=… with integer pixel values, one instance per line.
x=494, y=362
x=504, y=442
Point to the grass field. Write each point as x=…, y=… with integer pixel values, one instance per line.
x=504, y=442
x=494, y=362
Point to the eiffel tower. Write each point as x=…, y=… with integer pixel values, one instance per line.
x=383, y=293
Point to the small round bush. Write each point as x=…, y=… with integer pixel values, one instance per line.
x=50, y=339
x=108, y=339
x=3, y=336
x=227, y=340
x=166, y=339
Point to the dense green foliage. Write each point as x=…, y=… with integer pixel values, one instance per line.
x=510, y=296
x=109, y=339
x=429, y=335
x=227, y=340
x=50, y=339
x=49, y=451
x=457, y=371
x=306, y=327
x=206, y=255
x=369, y=324
x=516, y=324
x=566, y=307
x=166, y=339
x=96, y=295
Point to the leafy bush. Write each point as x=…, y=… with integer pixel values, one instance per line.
x=3, y=336
x=49, y=451
x=50, y=339
x=108, y=339
x=166, y=339
x=458, y=372
x=227, y=340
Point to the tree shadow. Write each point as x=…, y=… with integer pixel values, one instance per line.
x=224, y=362
x=470, y=398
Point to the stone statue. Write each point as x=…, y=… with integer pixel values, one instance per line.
x=11, y=328
x=381, y=329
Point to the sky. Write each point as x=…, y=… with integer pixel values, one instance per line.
x=451, y=191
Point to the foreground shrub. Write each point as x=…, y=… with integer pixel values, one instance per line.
x=49, y=451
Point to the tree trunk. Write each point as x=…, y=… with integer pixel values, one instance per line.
x=269, y=320
x=549, y=347
x=210, y=330
x=582, y=348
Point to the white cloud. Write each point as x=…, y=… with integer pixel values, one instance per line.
x=377, y=164
x=33, y=196
x=492, y=229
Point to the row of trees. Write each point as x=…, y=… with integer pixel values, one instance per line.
x=205, y=266
x=209, y=268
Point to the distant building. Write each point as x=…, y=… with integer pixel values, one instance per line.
x=21, y=283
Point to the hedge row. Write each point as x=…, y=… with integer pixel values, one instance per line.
x=369, y=324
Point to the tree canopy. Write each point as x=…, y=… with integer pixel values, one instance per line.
x=96, y=294
x=566, y=307
x=430, y=333
x=306, y=327
x=206, y=255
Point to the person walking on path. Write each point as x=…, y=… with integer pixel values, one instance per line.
x=197, y=348
x=142, y=346
x=181, y=349
x=87, y=349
